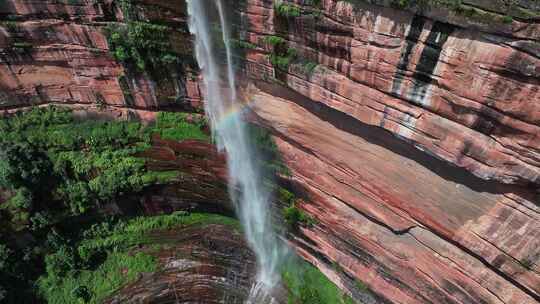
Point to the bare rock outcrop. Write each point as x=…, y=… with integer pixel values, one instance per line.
x=416, y=137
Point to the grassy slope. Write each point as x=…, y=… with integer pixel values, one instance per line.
x=308, y=285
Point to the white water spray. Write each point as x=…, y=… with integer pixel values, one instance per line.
x=230, y=133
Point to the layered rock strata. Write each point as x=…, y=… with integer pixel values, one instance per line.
x=198, y=265
x=414, y=134
x=416, y=138
x=57, y=52
x=201, y=185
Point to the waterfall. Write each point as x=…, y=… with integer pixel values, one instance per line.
x=224, y=111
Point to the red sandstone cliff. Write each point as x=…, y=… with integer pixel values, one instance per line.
x=417, y=140
x=57, y=52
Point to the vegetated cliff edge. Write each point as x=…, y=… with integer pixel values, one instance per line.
x=415, y=137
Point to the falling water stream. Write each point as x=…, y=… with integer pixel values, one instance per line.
x=230, y=133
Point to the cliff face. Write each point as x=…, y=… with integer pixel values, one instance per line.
x=464, y=95
x=210, y=264
x=57, y=52
x=416, y=139
x=412, y=133
x=202, y=185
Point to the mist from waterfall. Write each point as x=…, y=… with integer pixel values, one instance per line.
x=230, y=132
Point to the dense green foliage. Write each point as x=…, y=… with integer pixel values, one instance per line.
x=92, y=286
x=281, y=56
x=282, y=60
x=240, y=44
x=287, y=10
x=143, y=45
x=293, y=216
x=56, y=171
x=307, y=285
x=140, y=44
x=177, y=126
x=274, y=40
x=22, y=165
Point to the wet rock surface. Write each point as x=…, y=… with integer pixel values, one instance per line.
x=209, y=264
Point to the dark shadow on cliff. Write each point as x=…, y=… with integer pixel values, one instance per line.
x=389, y=141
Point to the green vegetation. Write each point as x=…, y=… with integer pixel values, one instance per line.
x=92, y=286
x=507, y=19
x=294, y=217
x=55, y=173
x=180, y=126
x=307, y=285
x=280, y=56
x=309, y=67
x=314, y=3
x=128, y=9
x=21, y=47
x=274, y=41
x=10, y=25
x=240, y=44
x=17, y=40
x=287, y=10
x=139, y=44
x=361, y=286
x=274, y=168
x=134, y=232
x=144, y=46
x=108, y=255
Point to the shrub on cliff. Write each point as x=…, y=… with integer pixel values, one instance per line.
x=281, y=56
x=144, y=46
x=286, y=10
x=295, y=217
x=77, y=195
